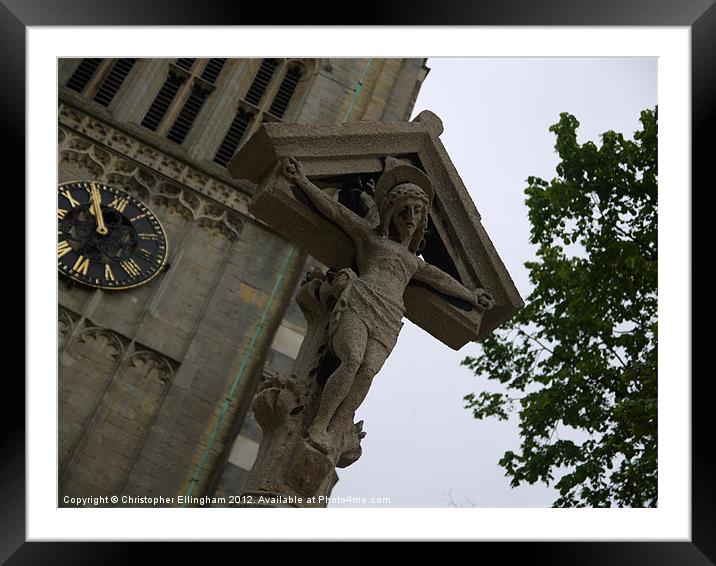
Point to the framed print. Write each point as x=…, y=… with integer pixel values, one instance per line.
x=143, y=227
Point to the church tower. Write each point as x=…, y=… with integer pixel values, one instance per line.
x=156, y=377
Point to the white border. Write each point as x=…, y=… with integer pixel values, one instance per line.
x=671, y=521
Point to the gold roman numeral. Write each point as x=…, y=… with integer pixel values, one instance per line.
x=139, y=217
x=81, y=265
x=61, y=212
x=146, y=254
x=147, y=236
x=119, y=204
x=63, y=248
x=108, y=272
x=65, y=193
x=131, y=267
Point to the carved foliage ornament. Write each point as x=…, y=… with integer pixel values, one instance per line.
x=72, y=121
x=144, y=185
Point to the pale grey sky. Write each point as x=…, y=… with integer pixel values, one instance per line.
x=421, y=444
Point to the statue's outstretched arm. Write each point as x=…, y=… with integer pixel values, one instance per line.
x=444, y=283
x=331, y=209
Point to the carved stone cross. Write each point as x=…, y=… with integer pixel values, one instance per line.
x=381, y=205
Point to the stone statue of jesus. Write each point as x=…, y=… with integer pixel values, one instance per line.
x=366, y=318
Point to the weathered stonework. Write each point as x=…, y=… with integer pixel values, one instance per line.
x=198, y=318
x=207, y=257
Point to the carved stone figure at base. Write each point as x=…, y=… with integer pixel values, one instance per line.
x=287, y=467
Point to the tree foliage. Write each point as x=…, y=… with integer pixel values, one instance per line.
x=579, y=362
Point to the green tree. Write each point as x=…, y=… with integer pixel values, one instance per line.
x=579, y=362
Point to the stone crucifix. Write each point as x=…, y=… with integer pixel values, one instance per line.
x=370, y=236
x=366, y=319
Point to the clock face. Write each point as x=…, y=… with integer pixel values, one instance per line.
x=106, y=237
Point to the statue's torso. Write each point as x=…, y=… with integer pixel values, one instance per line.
x=375, y=293
x=385, y=264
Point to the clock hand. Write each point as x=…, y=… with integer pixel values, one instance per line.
x=97, y=201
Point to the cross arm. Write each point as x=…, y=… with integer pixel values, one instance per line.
x=444, y=283
x=330, y=208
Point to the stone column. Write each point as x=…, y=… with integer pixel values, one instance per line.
x=289, y=471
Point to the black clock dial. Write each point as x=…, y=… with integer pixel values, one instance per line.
x=106, y=237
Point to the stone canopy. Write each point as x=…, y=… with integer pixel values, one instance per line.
x=346, y=159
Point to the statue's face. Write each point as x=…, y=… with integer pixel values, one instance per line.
x=407, y=217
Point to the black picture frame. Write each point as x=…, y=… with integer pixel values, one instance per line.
x=699, y=15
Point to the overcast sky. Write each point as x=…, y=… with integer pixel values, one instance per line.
x=422, y=448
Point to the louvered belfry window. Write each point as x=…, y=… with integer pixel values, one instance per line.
x=182, y=96
x=267, y=99
x=187, y=115
x=285, y=92
x=237, y=129
x=161, y=103
x=212, y=70
x=185, y=63
x=261, y=81
x=114, y=79
x=79, y=79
